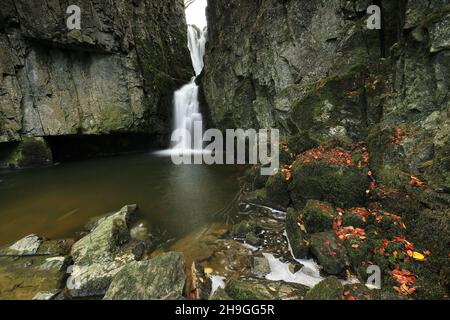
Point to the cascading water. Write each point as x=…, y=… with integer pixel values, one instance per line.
x=186, y=105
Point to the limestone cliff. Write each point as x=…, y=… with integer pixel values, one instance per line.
x=116, y=74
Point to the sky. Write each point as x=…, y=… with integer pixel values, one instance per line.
x=195, y=13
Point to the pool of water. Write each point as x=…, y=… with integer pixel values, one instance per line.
x=58, y=201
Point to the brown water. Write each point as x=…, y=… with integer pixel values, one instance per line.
x=58, y=201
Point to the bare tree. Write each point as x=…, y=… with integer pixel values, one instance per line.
x=187, y=3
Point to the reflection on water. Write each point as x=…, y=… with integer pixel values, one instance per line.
x=56, y=202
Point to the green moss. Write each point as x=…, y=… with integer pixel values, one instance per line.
x=115, y=119
x=327, y=104
x=297, y=237
x=339, y=185
x=244, y=228
x=31, y=152
x=435, y=15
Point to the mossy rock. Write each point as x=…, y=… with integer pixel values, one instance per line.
x=297, y=237
x=318, y=216
x=329, y=289
x=260, y=289
x=331, y=255
x=331, y=108
x=277, y=191
x=252, y=239
x=258, y=197
x=428, y=284
x=337, y=184
x=301, y=142
x=244, y=228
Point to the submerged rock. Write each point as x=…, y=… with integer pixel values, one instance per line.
x=24, y=277
x=100, y=255
x=329, y=252
x=161, y=278
x=259, y=289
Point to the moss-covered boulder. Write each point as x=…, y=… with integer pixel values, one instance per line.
x=161, y=278
x=331, y=255
x=259, y=289
x=296, y=234
x=355, y=217
x=245, y=227
x=318, y=216
x=277, y=191
x=329, y=289
x=328, y=174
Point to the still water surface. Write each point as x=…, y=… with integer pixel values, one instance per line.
x=58, y=201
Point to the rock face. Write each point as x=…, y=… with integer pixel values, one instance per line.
x=315, y=71
x=161, y=278
x=116, y=74
x=100, y=255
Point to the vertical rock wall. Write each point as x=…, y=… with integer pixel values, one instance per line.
x=116, y=74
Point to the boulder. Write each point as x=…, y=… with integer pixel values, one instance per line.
x=28, y=245
x=259, y=289
x=296, y=236
x=161, y=278
x=329, y=289
x=100, y=255
x=277, y=192
x=329, y=252
x=326, y=179
x=34, y=268
x=318, y=216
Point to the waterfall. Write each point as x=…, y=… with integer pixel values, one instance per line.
x=185, y=100
x=196, y=44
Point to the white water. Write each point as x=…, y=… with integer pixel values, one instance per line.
x=196, y=45
x=308, y=276
x=186, y=105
